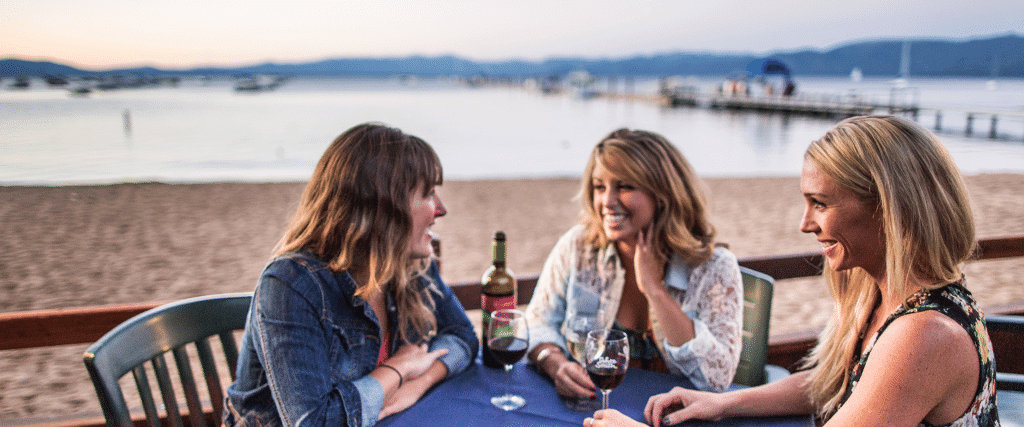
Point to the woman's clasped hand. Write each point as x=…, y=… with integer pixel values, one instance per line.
x=410, y=361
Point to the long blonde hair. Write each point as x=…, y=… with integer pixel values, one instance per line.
x=904, y=171
x=649, y=161
x=354, y=215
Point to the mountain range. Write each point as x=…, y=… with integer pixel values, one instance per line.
x=997, y=56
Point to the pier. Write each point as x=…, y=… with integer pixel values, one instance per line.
x=971, y=117
x=851, y=105
x=808, y=104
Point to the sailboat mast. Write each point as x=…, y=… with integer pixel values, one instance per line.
x=905, y=61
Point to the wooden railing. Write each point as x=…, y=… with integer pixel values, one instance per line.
x=45, y=328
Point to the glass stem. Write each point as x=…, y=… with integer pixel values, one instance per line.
x=604, y=398
x=508, y=385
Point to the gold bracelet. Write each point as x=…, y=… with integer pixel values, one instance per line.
x=544, y=353
x=400, y=379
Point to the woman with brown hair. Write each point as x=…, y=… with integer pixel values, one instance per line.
x=350, y=321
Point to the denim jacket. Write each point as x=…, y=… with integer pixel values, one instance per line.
x=309, y=346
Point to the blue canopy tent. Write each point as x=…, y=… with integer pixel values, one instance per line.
x=768, y=66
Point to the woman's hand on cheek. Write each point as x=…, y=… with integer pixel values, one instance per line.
x=649, y=265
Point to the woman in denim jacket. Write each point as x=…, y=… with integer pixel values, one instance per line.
x=350, y=322
x=644, y=260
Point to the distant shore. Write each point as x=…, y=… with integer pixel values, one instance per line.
x=114, y=244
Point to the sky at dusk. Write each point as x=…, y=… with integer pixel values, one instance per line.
x=192, y=33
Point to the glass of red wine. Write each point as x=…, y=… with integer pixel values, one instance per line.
x=607, y=355
x=508, y=338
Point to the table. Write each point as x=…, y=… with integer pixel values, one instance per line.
x=465, y=400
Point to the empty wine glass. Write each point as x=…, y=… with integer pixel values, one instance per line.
x=508, y=338
x=607, y=355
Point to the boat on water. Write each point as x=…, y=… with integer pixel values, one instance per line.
x=80, y=91
x=56, y=80
x=20, y=83
x=856, y=75
x=582, y=84
x=258, y=83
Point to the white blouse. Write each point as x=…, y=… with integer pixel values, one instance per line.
x=579, y=280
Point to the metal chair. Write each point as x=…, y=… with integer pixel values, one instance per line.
x=753, y=369
x=1007, y=333
x=147, y=337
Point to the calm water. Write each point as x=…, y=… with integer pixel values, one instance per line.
x=204, y=131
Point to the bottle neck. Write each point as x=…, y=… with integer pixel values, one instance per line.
x=499, y=254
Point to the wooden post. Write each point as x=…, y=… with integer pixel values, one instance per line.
x=970, y=124
x=992, y=130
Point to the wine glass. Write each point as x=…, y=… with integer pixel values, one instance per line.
x=607, y=355
x=576, y=339
x=508, y=338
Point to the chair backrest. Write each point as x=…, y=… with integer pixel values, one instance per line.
x=147, y=337
x=1007, y=333
x=757, y=310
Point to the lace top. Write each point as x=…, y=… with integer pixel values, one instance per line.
x=956, y=302
x=579, y=280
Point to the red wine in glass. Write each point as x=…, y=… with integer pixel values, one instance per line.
x=508, y=337
x=607, y=355
x=607, y=378
x=508, y=350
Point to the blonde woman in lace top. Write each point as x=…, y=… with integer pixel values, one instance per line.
x=643, y=260
x=906, y=344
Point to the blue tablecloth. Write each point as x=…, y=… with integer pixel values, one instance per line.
x=465, y=400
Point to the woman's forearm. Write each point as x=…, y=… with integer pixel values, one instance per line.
x=676, y=325
x=787, y=396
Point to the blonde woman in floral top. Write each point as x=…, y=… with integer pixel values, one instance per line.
x=643, y=260
x=906, y=344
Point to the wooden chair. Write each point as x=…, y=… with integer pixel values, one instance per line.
x=753, y=369
x=147, y=337
x=1007, y=333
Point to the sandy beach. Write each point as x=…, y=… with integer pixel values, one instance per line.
x=99, y=245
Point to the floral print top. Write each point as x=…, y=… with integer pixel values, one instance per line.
x=956, y=302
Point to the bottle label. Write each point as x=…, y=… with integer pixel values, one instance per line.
x=489, y=304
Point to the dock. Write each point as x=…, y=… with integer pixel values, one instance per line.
x=823, y=105
x=972, y=117
x=806, y=104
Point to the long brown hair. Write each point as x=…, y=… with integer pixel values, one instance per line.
x=649, y=161
x=354, y=215
x=902, y=169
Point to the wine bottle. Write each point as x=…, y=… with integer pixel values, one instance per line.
x=498, y=292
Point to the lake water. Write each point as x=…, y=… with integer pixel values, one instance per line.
x=203, y=131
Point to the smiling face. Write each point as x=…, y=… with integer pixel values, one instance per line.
x=849, y=230
x=623, y=207
x=423, y=210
